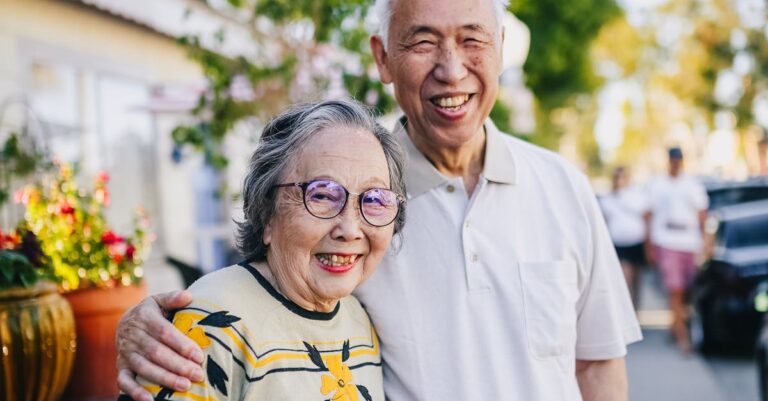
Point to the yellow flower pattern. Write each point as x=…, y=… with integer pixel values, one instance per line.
x=339, y=380
x=197, y=334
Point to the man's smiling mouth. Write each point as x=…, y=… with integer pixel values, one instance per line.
x=451, y=103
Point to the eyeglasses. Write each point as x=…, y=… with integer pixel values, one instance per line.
x=325, y=199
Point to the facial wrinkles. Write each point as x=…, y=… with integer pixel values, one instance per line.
x=286, y=266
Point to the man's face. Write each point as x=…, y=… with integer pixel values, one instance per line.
x=444, y=59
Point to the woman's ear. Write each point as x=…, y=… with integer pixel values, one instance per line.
x=266, y=238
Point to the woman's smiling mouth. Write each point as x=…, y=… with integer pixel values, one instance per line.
x=336, y=262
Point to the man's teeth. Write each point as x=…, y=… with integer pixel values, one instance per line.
x=451, y=102
x=336, y=260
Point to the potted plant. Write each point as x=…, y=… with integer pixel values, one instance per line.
x=99, y=272
x=37, y=330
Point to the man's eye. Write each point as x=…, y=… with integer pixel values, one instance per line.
x=422, y=44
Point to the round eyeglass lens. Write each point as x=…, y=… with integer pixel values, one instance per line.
x=379, y=206
x=324, y=199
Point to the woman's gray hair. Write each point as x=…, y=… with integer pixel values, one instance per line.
x=382, y=14
x=281, y=141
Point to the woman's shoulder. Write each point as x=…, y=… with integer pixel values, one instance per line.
x=355, y=311
x=231, y=289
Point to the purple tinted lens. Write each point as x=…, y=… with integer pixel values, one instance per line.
x=325, y=198
x=379, y=206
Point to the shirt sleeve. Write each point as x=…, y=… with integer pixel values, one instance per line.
x=213, y=332
x=606, y=321
x=699, y=196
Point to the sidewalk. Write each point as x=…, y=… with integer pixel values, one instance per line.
x=659, y=372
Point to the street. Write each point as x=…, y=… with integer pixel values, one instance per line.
x=659, y=372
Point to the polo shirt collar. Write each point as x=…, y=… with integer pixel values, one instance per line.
x=421, y=176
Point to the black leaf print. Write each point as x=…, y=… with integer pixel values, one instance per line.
x=345, y=351
x=314, y=356
x=164, y=394
x=219, y=319
x=364, y=392
x=216, y=376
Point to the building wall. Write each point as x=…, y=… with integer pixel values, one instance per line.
x=90, y=77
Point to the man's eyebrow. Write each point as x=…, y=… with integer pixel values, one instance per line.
x=419, y=29
x=479, y=28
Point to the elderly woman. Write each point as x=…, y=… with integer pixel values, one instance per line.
x=322, y=200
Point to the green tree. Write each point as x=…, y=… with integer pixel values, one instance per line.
x=337, y=27
x=559, y=67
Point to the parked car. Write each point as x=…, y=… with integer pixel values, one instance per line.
x=761, y=304
x=726, y=193
x=723, y=292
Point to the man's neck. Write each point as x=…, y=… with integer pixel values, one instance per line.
x=465, y=161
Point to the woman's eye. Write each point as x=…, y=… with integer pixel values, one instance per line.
x=319, y=196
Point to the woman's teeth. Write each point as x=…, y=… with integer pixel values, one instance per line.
x=336, y=260
x=453, y=102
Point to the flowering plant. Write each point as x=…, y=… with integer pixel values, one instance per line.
x=69, y=223
x=22, y=262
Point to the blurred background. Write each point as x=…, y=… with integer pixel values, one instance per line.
x=168, y=98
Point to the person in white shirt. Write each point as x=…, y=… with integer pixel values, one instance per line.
x=624, y=209
x=507, y=286
x=678, y=211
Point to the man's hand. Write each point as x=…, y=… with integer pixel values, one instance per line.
x=150, y=346
x=603, y=380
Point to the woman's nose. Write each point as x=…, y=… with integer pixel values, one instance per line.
x=349, y=224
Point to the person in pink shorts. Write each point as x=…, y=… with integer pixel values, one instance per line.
x=678, y=210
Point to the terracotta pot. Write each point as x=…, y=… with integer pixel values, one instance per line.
x=97, y=313
x=37, y=343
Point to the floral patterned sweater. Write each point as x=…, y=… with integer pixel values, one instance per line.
x=259, y=345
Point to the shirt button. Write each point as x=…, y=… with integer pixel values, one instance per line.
x=474, y=257
x=450, y=188
x=466, y=224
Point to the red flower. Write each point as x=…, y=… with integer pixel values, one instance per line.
x=129, y=252
x=66, y=208
x=9, y=241
x=110, y=238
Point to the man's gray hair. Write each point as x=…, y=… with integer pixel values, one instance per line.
x=281, y=141
x=382, y=13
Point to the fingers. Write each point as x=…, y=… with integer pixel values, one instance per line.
x=172, y=300
x=159, y=354
x=152, y=347
x=166, y=333
x=127, y=384
x=156, y=374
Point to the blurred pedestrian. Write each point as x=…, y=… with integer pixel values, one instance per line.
x=624, y=209
x=678, y=211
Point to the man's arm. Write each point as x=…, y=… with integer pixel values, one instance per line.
x=149, y=345
x=602, y=380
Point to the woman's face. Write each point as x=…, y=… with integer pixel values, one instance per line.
x=302, y=247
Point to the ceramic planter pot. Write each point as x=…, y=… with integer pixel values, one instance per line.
x=37, y=343
x=97, y=312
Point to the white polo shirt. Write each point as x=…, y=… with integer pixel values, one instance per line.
x=493, y=297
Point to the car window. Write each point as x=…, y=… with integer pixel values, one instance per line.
x=731, y=196
x=741, y=233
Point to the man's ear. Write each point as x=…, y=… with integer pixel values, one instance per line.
x=380, y=54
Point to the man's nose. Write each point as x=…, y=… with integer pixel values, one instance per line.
x=450, y=66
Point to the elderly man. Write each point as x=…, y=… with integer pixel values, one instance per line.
x=507, y=286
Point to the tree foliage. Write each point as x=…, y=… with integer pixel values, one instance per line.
x=559, y=67
x=284, y=68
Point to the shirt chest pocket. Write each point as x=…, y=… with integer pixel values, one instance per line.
x=549, y=301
